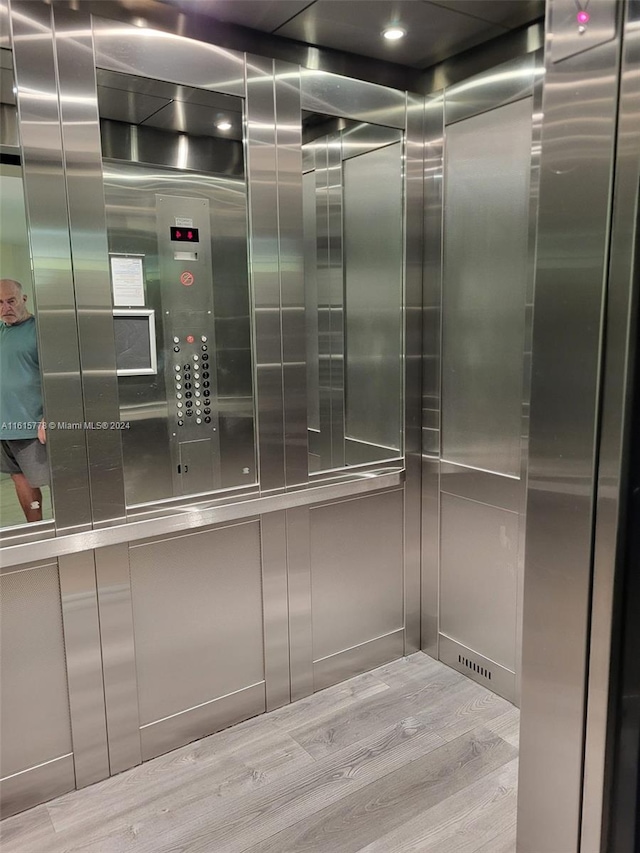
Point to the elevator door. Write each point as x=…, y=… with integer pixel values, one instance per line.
x=486, y=273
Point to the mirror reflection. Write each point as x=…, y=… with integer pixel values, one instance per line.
x=176, y=208
x=24, y=466
x=353, y=236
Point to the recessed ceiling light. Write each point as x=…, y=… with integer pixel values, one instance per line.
x=394, y=33
x=223, y=125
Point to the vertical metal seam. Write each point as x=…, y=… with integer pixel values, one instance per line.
x=73, y=277
x=274, y=80
x=251, y=267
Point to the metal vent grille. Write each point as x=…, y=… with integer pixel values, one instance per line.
x=474, y=667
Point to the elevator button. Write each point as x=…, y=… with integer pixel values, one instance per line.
x=204, y=339
x=178, y=386
x=189, y=413
x=197, y=393
x=196, y=376
x=187, y=377
x=196, y=357
x=206, y=384
x=197, y=384
x=207, y=411
x=187, y=367
x=177, y=367
x=187, y=385
x=205, y=375
x=176, y=340
x=190, y=339
x=188, y=394
x=207, y=420
x=205, y=348
x=179, y=396
x=198, y=420
x=189, y=404
x=205, y=357
x=180, y=423
x=207, y=393
x=176, y=349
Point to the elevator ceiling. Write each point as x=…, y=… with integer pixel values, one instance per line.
x=435, y=30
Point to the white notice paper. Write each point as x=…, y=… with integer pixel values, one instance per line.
x=127, y=280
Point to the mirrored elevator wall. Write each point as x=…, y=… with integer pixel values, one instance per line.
x=352, y=194
x=477, y=345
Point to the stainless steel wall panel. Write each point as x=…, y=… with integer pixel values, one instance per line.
x=167, y=56
x=273, y=536
x=413, y=263
x=118, y=657
x=600, y=827
x=351, y=662
x=373, y=293
x=356, y=572
x=580, y=105
x=205, y=590
x=23, y=791
x=34, y=701
x=299, y=589
x=82, y=159
x=84, y=667
x=323, y=92
x=195, y=723
x=479, y=668
x=291, y=261
x=311, y=296
x=485, y=268
x=323, y=307
x=502, y=85
x=335, y=303
x=46, y=203
x=5, y=35
x=263, y=201
x=357, y=482
x=484, y=486
x=431, y=338
x=478, y=577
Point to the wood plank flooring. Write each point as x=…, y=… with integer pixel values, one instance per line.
x=409, y=758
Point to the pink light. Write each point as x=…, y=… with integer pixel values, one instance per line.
x=583, y=17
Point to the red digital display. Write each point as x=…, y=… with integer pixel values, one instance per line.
x=185, y=235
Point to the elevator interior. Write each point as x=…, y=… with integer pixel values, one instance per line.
x=305, y=302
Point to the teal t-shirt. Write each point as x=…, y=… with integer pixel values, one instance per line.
x=20, y=385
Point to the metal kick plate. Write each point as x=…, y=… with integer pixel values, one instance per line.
x=577, y=25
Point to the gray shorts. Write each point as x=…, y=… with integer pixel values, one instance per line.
x=25, y=456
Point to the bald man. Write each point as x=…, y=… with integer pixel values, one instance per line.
x=22, y=436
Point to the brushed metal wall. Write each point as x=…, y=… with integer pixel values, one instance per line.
x=356, y=578
x=477, y=330
x=205, y=590
x=373, y=297
x=32, y=658
x=188, y=618
x=486, y=229
x=579, y=131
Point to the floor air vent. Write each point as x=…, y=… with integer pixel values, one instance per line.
x=474, y=667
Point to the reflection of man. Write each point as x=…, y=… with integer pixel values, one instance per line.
x=22, y=434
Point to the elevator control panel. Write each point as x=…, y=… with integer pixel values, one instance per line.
x=186, y=281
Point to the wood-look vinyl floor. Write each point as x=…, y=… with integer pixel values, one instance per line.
x=409, y=758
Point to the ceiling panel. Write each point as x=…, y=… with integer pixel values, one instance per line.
x=195, y=120
x=433, y=32
x=264, y=15
x=508, y=13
